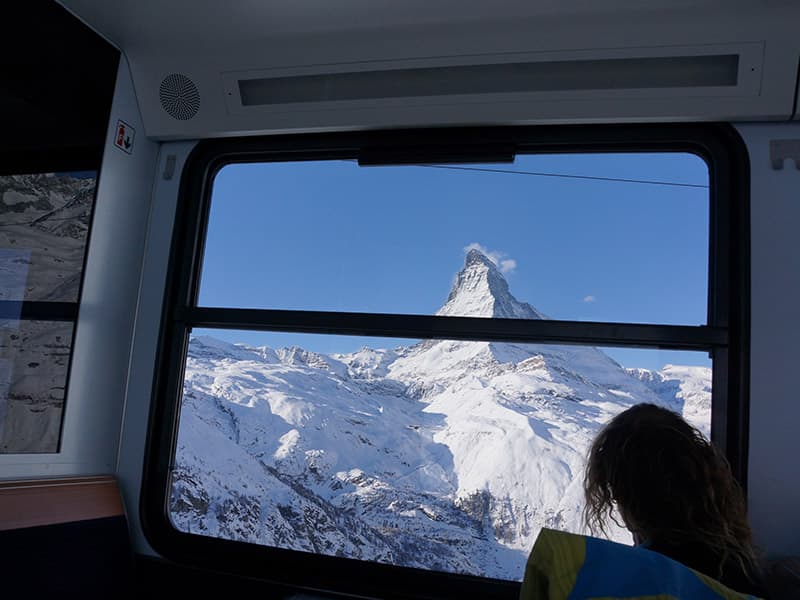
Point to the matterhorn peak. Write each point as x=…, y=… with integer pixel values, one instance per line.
x=480, y=290
x=476, y=257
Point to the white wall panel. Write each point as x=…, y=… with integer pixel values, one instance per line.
x=101, y=351
x=774, y=476
x=145, y=335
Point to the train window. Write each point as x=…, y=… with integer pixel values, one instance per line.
x=389, y=375
x=435, y=454
x=43, y=238
x=613, y=237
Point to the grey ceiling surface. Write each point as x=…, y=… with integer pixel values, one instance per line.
x=206, y=39
x=132, y=23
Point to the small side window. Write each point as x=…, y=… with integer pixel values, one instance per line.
x=44, y=226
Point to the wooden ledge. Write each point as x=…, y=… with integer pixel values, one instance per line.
x=33, y=503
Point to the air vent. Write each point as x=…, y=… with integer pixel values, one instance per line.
x=720, y=70
x=179, y=97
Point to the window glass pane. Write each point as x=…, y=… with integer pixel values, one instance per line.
x=34, y=358
x=44, y=220
x=592, y=243
x=437, y=454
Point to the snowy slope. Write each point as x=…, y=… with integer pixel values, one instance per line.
x=45, y=220
x=446, y=455
x=688, y=389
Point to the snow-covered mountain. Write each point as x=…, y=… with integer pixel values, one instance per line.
x=44, y=220
x=443, y=455
x=480, y=290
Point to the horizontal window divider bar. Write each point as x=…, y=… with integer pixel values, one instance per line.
x=676, y=337
x=38, y=310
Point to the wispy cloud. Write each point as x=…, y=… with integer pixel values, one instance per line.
x=508, y=265
x=498, y=257
x=589, y=299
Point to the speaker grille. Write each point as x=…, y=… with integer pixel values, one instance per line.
x=179, y=97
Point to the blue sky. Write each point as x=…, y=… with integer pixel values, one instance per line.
x=336, y=236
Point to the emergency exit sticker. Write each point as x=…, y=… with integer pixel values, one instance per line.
x=124, y=136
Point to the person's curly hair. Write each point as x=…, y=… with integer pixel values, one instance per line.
x=670, y=485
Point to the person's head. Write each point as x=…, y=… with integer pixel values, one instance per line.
x=670, y=485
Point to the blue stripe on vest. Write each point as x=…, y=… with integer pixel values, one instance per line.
x=615, y=570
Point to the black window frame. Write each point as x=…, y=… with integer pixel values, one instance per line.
x=725, y=335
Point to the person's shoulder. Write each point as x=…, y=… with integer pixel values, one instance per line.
x=700, y=558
